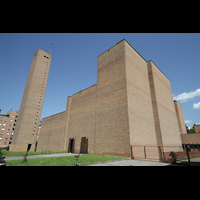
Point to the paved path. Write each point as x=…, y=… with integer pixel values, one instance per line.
x=129, y=162
x=38, y=156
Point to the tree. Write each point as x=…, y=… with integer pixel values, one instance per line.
x=187, y=129
x=192, y=129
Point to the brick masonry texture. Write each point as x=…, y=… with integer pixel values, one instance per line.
x=197, y=128
x=112, y=130
x=180, y=118
x=130, y=107
x=82, y=118
x=192, y=138
x=32, y=101
x=52, y=133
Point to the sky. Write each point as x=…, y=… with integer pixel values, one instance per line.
x=74, y=65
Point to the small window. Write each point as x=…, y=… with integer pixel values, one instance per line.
x=4, y=124
x=12, y=115
x=45, y=56
x=12, y=133
x=1, y=133
x=0, y=138
x=0, y=123
x=6, y=138
x=9, y=129
x=11, y=120
x=13, y=129
x=7, y=133
x=2, y=129
x=5, y=120
x=14, y=125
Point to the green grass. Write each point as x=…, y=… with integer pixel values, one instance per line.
x=61, y=161
x=22, y=153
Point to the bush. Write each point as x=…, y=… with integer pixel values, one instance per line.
x=2, y=149
x=173, y=155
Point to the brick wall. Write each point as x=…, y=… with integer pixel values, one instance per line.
x=169, y=132
x=180, y=118
x=131, y=105
x=112, y=130
x=32, y=101
x=197, y=128
x=52, y=133
x=82, y=118
x=192, y=138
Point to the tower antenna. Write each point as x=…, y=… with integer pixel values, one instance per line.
x=51, y=47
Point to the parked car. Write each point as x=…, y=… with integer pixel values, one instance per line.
x=2, y=161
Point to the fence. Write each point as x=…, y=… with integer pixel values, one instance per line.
x=162, y=153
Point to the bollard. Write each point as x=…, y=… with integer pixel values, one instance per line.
x=77, y=156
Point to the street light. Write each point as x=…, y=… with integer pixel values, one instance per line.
x=77, y=156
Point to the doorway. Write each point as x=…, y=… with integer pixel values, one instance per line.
x=84, y=145
x=71, y=145
x=29, y=147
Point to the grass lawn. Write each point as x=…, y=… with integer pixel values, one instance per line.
x=22, y=153
x=61, y=161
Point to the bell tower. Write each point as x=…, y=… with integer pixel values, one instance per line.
x=32, y=102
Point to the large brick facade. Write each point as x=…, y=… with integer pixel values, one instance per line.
x=32, y=101
x=130, y=107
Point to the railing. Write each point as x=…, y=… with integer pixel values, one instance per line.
x=161, y=153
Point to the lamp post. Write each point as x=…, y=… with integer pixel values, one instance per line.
x=76, y=156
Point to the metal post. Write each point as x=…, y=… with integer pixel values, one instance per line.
x=188, y=154
x=144, y=152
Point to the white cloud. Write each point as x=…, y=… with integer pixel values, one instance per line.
x=187, y=121
x=186, y=96
x=196, y=106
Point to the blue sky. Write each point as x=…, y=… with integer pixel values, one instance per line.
x=74, y=65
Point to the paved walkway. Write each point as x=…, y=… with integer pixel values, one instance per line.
x=129, y=162
x=38, y=156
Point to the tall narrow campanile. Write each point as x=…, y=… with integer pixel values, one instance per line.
x=31, y=105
